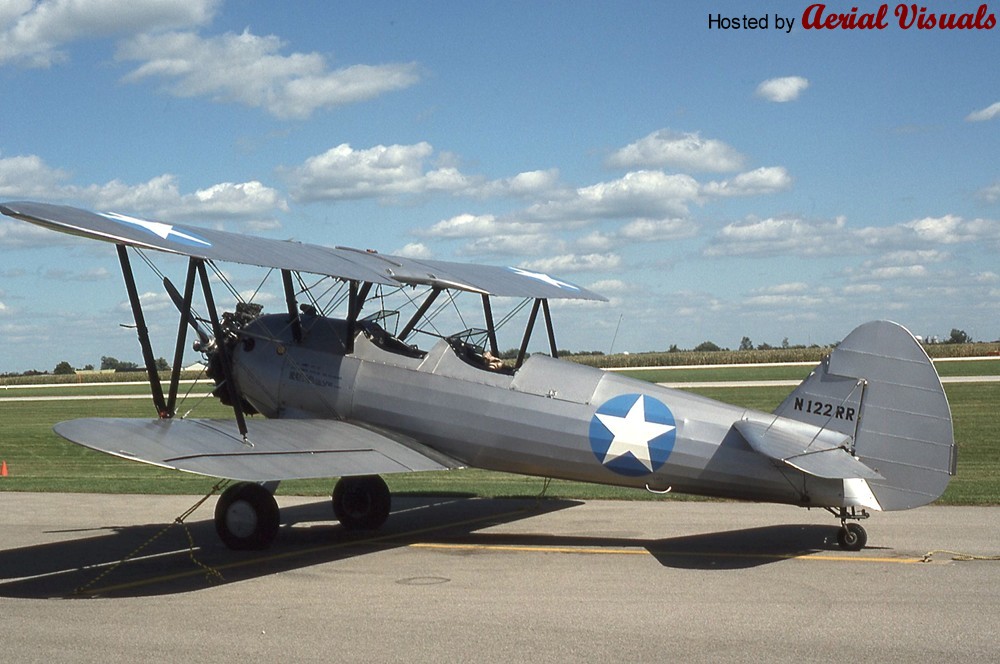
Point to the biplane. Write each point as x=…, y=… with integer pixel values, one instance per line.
x=341, y=388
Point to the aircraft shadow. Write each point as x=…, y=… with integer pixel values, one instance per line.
x=745, y=548
x=734, y=549
x=171, y=560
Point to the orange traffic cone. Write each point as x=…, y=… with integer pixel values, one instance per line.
x=3, y=469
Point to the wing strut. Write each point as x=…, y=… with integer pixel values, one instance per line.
x=491, y=329
x=542, y=303
x=186, y=319
x=293, y=313
x=355, y=302
x=424, y=306
x=548, y=328
x=140, y=324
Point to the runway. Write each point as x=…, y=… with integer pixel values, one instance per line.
x=461, y=579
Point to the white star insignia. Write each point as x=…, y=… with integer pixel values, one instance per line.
x=632, y=433
x=541, y=276
x=156, y=228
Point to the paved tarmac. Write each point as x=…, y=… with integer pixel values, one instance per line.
x=460, y=579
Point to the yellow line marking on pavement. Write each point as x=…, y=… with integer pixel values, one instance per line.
x=645, y=552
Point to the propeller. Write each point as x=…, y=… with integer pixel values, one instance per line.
x=219, y=360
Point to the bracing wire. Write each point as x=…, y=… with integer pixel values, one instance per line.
x=261, y=284
x=225, y=281
x=512, y=313
x=149, y=262
x=159, y=273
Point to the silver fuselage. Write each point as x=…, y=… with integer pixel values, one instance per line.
x=535, y=421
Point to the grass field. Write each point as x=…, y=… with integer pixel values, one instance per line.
x=39, y=460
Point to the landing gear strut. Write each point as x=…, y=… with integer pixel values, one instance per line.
x=361, y=503
x=246, y=517
x=852, y=536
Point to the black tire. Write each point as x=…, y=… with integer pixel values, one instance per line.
x=361, y=503
x=852, y=537
x=246, y=517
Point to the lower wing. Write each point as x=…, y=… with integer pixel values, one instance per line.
x=276, y=449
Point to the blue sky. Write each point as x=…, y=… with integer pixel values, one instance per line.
x=713, y=184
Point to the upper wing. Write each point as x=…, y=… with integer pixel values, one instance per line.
x=282, y=449
x=338, y=262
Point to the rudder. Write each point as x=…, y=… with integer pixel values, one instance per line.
x=880, y=387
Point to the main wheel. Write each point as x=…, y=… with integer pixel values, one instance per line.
x=361, y=503
x=852, y=537
x=246, y=517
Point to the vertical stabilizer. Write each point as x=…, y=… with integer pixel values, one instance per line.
x=879, y=387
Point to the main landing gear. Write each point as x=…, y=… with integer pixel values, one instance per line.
x=852, y=536
x=361, y=503
x=246, y=516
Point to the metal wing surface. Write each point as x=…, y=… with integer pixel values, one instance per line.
x=340, y=262
x=822, y=454
x=282, y=449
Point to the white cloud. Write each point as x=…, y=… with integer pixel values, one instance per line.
x=764, y=180
x=688, y=151
x=596, y=241
x=776, y=236
x=793, y=287
x=984, y=114
x=654, y=230
x=794, y=295
x=990, y=194
x=523, y=185
x=390, y=171
x=464, y=226
x=947, y=229
x=862, y=289
x=32, y=33
x=575, y=263
x=161, y=198
x=69, y=274
x=794, y=300
x=899, y=272
x=784, y=89
x=28, y=177
x=231, y=199
x=520, y=244
x=378, y=172
x=286, y=86
x=637, y=194
x=608, y=286
x=415, y=250
x=16, y=234
x=795, y=236
x=912, y=256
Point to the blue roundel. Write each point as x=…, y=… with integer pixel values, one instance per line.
x=633, y=434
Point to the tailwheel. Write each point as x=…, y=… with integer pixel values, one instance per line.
x=852, y=536
x=361, y=503
x=246, y=517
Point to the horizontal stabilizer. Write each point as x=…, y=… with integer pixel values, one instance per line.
x=822, y=452
x=281, y=449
